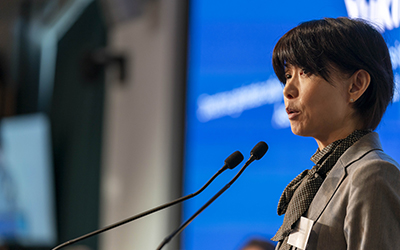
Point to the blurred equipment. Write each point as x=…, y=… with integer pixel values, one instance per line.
x=27, y=211
x=94, y=63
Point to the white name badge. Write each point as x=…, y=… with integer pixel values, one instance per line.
x=299, y=237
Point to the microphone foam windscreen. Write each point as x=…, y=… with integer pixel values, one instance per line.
x=259, y=150
x=234, y=159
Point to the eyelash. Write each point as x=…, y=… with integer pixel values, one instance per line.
x=303, y=72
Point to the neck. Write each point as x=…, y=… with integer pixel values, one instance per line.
x=323, y=142
x=351, y=123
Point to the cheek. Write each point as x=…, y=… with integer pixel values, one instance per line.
x=312, y=104
x=319, y=108
x=327, y=109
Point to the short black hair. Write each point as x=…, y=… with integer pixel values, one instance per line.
x=262, y=244
x=348, y=45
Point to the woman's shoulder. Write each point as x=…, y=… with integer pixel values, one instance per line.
x=380, y=157
x=375, y=167
x=368, y=156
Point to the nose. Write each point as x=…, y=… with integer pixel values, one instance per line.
x=290, y=90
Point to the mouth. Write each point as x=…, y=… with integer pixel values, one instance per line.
x=292, y=112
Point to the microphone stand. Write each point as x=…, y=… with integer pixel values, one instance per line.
x=256, y=153
x=231, y=162
x=184, y=225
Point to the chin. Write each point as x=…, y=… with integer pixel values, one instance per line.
x=296, y=131
x=300, y=132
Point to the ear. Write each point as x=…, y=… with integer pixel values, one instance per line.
x=360, y=81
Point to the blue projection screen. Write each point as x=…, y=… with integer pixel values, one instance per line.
x=234, y=101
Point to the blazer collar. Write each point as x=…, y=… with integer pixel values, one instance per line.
x=338, y=173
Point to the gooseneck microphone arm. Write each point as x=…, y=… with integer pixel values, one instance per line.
x=256, y=153
x=231, y=162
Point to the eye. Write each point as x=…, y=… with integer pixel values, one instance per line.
x=305, y=72
x=288, y=76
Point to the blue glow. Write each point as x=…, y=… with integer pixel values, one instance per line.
x=230, y=48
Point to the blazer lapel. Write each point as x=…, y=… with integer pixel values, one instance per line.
x=338, y=173
x=326, y=191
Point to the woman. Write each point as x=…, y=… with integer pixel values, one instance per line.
x=338, y=81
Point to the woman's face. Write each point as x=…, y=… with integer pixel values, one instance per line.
x=318, y=108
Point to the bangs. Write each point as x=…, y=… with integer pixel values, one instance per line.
x=300, y=47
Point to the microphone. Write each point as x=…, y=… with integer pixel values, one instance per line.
x=256, y=153
x=231, y=162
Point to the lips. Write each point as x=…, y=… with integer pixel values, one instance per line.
x=292, y=112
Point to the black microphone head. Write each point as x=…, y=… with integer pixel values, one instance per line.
x=259, y=150
x=234, y=159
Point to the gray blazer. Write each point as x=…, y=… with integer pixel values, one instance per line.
x=358, y=204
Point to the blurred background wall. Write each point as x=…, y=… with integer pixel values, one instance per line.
x=144, y=126
x=108, y=77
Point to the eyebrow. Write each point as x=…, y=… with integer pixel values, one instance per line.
x=287, y=66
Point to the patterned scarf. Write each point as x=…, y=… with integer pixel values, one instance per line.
x=298, y=195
